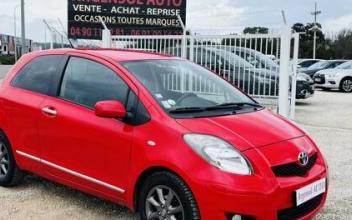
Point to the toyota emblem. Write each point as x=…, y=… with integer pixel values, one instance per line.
x=303, y=159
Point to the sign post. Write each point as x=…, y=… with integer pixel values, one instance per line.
x=106, y=38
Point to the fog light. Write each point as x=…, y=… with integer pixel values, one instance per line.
x=237, y=217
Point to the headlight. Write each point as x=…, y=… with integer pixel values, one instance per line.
x=304, y=77
x=219, y=153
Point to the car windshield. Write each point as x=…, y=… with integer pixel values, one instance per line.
x=182, y=87
x=320, y=65
x=255, y=58
x=229, y=57
x=211, y=57
x=347, y=65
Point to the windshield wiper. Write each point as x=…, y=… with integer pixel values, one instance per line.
x=237, y=105
x=187, y=110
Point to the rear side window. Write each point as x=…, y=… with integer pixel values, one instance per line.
x=87, y=82
x=39, y=74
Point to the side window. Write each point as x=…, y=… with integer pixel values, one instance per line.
x=39, y=74
x=87, y=82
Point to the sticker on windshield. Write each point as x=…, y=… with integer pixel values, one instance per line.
x=171, y=102
x=159, y=96
x=166, y=104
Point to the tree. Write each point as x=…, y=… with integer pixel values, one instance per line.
x=306, y=41
x=256, y=30
x=343, y=44
x=263, y=45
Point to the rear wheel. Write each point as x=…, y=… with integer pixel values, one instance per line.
x=10, y=175
x=346, y=85
x=164, y=196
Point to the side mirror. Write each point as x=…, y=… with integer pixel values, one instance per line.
x=110, y=109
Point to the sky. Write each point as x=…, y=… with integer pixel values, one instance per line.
x=203, y=16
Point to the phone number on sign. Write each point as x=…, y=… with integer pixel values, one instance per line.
x=97, y=32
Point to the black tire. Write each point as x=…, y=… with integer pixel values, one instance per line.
x=178, y=186
x=13, y=176
x=343, y=88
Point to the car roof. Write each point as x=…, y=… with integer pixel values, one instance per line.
x=119, y=55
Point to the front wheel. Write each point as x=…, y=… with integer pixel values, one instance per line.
x=346, y=85
x=10, y=175
x=164, y=196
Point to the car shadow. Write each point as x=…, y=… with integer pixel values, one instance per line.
x=330, y=91
x=302, y=103
x=72, y=197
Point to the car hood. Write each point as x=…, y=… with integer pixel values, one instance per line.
x=333, y=71
x=311, y=71
x=328, y=71
x=245, y=131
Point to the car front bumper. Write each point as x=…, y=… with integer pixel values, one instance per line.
x=260, y=196
x=325, y=81
x=304, y=90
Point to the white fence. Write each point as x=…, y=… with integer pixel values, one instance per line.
x=249, y=62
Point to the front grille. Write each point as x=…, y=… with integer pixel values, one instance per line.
x=300, y=211
x=293, y=169
x=321, y=77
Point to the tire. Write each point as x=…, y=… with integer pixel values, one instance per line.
x=346, y=85
x=10, y=175
x=168, y=184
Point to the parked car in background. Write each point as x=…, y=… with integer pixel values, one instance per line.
x=304, y=64
x=254, y=57
x=235, y=69
x=305, y=84
x=246, y=68
x=337, y=78
x=110, y=123
x=322, y=65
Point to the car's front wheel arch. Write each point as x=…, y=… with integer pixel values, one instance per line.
x=150, y=172
x=179, y=201
x=142, y=177
x=343, y=80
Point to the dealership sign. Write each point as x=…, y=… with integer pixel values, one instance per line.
x=125, y=17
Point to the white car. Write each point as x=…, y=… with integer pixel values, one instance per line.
x=337, y=78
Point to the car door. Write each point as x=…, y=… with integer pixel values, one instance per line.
x=77, y=145
x=28, y=89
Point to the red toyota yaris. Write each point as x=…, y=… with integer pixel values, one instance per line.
x=159, y=134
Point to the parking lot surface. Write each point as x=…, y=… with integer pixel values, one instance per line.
x=327, y=117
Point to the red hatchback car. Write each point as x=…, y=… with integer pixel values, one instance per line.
x=159, y=134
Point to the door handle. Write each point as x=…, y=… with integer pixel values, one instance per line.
x=49, y=111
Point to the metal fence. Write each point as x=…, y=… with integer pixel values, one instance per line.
x=253, y=63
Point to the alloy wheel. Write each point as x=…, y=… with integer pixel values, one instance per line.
x=4, y=160
x=163, y=204
x=347, y=85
